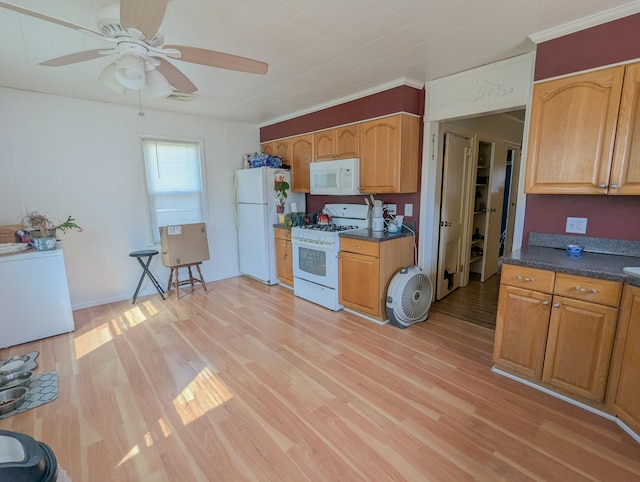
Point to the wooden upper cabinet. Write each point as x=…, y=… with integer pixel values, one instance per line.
x=625, y=171
x=337, y=143
x=268, y=148
x=277, y=148
x=573, y=124
x=301, y=150
x=389, y=154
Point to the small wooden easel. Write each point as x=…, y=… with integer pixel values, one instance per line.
x=176, y=283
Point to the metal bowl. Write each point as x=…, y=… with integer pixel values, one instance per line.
x=13, y=364
x=17, y=379
x=12, y=398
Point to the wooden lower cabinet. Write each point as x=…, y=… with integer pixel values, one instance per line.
x=284, y=256
x=365, y=269
x=561, y=333
x=522, y=325
x=579, y=347
x=623, y=394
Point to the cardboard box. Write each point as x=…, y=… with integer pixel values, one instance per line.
x=184, y=244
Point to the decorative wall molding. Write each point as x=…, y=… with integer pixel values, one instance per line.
x=587, y=22
x=490, y=88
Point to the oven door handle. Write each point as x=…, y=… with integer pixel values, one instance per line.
x=311, y=245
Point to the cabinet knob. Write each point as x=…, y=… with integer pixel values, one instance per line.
x=614, y=186
x=545, y=302
x=602, y=185
x=492, y=210
x=556, y=305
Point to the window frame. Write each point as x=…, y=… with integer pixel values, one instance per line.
x=203, y=180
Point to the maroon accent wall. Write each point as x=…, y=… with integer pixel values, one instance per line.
x=614, y=217
x=398, y=99
x=604, y=44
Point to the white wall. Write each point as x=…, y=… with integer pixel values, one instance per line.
x=64, y=156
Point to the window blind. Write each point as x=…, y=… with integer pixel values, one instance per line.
x=174, y=183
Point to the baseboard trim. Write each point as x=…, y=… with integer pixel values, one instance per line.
x=564, y=398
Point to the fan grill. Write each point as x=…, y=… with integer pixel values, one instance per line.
x=413, y=300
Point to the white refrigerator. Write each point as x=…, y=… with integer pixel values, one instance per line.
x=255, y=216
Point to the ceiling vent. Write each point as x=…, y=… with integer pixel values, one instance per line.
x=181, y=96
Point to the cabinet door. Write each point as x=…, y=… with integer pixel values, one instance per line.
x=358, y=282
x=347, y=141
x=573, y=122
x=325, y=145
x=625, y=172
x=624, y=386
x=301, y=156
x=284, y=264
x=522, y=323
x=579, y=347
x=380, y=155
x=268, y=148
x=282, y=149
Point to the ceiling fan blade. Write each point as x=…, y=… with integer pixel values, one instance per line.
x=219, y=59
x=76, y=57
x=41, y=16
x=177, y=79
x=143, y=15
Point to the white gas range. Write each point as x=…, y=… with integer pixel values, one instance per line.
x=315, y=253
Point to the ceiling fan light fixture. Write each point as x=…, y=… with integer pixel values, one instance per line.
x=156, y=83
x=130, y=71
x=108, y=79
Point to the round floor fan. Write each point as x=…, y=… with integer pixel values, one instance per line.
x=409, y=297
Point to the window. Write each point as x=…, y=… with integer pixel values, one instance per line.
x=174, y=183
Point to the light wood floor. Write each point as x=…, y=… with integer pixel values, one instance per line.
x=247, y=382
x=476, y=303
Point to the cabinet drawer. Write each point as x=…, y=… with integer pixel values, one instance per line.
x=600, y=291
x=360, y=247
x=528, y=278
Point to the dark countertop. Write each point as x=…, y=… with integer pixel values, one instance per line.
x=375, y=236
x=594, y=265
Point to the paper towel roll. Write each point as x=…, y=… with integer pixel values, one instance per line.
x=294, y=208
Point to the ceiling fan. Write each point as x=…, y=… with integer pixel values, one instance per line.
x=134, y=26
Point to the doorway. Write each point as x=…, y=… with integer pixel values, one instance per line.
x=491, y=225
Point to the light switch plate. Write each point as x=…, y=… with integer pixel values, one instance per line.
x=576, y=225
x=408, y=209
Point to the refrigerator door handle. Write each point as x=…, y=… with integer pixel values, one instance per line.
x=235, y=200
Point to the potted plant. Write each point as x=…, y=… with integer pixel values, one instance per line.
x=280, y=186
x=41, y=231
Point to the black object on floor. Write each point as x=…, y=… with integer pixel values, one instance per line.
x=149, y=253
x=24, y=459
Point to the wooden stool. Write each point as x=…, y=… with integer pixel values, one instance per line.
x=176, y=283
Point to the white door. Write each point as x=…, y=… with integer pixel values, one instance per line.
x=251, y=186
x=453, y=212
x=494, y=210
x=516, y=153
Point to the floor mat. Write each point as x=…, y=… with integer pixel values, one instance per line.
x=43, y=389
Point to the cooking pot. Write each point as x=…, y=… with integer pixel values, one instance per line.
x=324, y=219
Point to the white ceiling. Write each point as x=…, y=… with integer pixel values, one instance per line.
x=317, y=50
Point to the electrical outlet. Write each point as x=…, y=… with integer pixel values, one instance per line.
x=576, y=225
x=391, y=209
x=408, y=209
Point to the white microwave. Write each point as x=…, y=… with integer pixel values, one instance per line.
x=341, y=177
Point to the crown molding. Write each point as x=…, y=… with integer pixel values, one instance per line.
x=587, y=22
x=342, y=100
